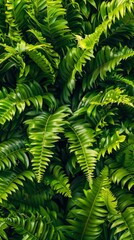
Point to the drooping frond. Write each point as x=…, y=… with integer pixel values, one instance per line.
x=23, y=95
x=90, y=212
x=81, y=138
x=43, y=64
x=118, y=78
x=36, y=227
x=106, y=60
x=43, y=133
x=123, y=176
x=76, y=58
x=47, y=48
x=10, y=182
x=58, y=181
x=12, y=13
x=123, y=224
x=11, y=152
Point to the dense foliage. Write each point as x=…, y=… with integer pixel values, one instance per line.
x=66, y=120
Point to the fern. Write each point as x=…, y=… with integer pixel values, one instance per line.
x=43, y=133
x=11, y=151
x=10, y=182
x=14, y=32
x=110, y=143
x=107, y=59
x=81, y=139
x=124, y=224
x=121, y=222
x=43, y=63
x=58, y=181
x=90, y=213
x=123, y=176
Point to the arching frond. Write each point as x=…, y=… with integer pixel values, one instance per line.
x=18, y=99
x=81, y=138
x=43, y=133
x=58, y=181
x=123, y=224
x=123, y=176
x=14, y=31
x=110, y=143
x=43, y=63
x=89, y=212
x=36, y=227
x=107, y=59
x=10, y=182
x=11, y=152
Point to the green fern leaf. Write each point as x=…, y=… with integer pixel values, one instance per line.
x=110, y=143
x=107, y=59
x=9, y=182
x=11, y=152
x=43, y=63
x=90, y=212
x=123, y=176
x=23, y=95
x=43, y=134
x=81, y=139
x=58, y=181
x=123, y=223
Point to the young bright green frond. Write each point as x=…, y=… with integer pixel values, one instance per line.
x=14, y=32
x=88, y=215
x=81, y=138
x=11, y=152
x=115, y=9
x=43, y=133
x=10, y=182
x=58, y=181
x=110, y=201
x=110, y=143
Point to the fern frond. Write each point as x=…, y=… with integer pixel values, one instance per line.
x=9, y=182
x=43, y=64
x=46, y=48
x=36, y=227
x=14, y=54
x=55, y=24
x=123, y=224
x=107, y=59
x=76, y=58
x=81, y=138
x=123, y=176
x=11, y=152
x=43, y=133
x=74, y=18
x=14, y=32
x=7, y=108
x=110, y=201
x=110, y=143
x=23, y=95
x=115, y=9
x=120, y=78
x=3, y=227
x=58, y=181
x=89, y=212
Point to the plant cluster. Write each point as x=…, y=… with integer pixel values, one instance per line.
x=66, y=120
